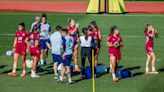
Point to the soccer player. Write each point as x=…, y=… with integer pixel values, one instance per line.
x=20, y=49
x=114, y=43
x=96, y=35
x=36, y=22
x=56, y=47
x=45, y=31
x=150, y=33
x=67, y=55
x=34, y=49
x=73, y=31
x=86, y=49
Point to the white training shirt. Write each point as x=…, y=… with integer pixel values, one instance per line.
x=56, y=42
x=84, y=42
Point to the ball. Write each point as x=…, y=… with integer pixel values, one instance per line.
x=9, y=53
x=29, y=63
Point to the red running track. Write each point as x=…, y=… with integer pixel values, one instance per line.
x=75, y=7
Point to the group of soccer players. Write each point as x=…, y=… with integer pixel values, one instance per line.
x=64, y=44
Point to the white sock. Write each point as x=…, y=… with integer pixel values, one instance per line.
x=33, y=72
x=76, y=66
x=41, y=61
x=110, y=68
x=70, y=80
x=14, y=70
x=153, y=69
x=61, y=78
x=147, y=69
x=113, y=76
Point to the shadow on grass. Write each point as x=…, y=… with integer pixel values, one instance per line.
x=3, y=66
x=134, y=68
x=161, y=70
x=5, y=72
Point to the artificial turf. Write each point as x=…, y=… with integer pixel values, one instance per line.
x=133, y=54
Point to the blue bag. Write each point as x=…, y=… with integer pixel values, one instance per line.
x=100, y=69
x=88, y=72
x=123, y=73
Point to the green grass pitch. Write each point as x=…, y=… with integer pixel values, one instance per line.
x=133, y=54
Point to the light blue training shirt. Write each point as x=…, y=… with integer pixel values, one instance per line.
x=69, y=42
x=45, y=29
x=56, y=42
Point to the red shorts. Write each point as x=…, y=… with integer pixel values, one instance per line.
x=149, y=49
x=116, y=54
x=20, y=49
x=35, y=52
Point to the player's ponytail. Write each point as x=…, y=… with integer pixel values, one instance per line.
x=85, y=32
x=94, y=24
x=35, y=28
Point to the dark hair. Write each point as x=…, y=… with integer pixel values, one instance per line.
x=35, y=28
x=112, y=29
x=58, y=28
x=90, y=28
x=44, y=15
x=94, y=24
x=65, y=30
x=22, y=24
x=85, y=32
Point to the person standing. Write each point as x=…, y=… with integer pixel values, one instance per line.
x=56, y=47
x=36, y=22
x=20, y=49
x=45, y=31
x=67, y=55
x=96, y=36
x=149, y=46
x=86, y=50
x=73, y=32
x=114, y=44
x=34, y=49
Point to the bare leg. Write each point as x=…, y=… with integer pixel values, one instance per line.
x=15, y=63
x=23, y=66
x=75, y=53
x=96, y=56
x=33, y=68
x=55, y=68
x=42, y=56
x=152, y=54
x=147, y=64
x=114, y=65
x=68, y=74
x=16, y=57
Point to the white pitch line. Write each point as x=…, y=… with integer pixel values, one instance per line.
x=7, y=34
